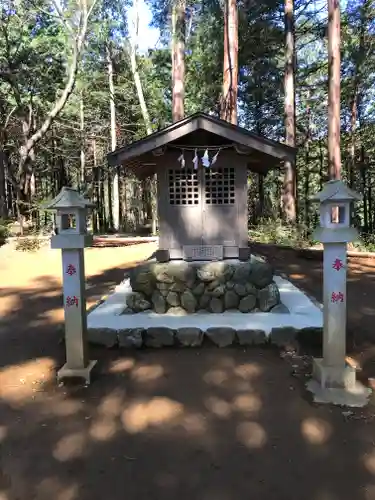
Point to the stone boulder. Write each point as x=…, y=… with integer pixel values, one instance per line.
x=221, y=336
x=188, y=301
x=261, y=273
x=137, y=302
x=161, y=272
x=231, y=299
x=142, y=280
x=131, y=337
x=268, y=297
x=204, y=301
x=242, y=272
x=216, y=305
x=173, y=299
x=177, y=311
x=158, y=302
x=198, y=290
x=189, y=336
x=240, y=289
x=215, y=270
x=247, y=304
x=159, y=337
x=171, y=272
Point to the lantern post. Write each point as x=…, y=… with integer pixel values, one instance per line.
x=71, y=213
x=334, y=380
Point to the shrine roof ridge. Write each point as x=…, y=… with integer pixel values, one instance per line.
x=202, y=121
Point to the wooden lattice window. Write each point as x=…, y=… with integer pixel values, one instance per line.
x=220, y=186
x=183, y=187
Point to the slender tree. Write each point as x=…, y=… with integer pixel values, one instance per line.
x=112, y=108
x=289, y=184
x=334, y=153
x=178, y=59
x=230, y=69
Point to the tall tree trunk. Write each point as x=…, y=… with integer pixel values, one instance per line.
x=144, y=110
x=3, y=187
x=178, y=59
x=115, y=184
x=230, y=69
x=289, y=184
x=352, y=146
x=98, y=214
x=334, y=154
x=307, y=166
x=82, y=131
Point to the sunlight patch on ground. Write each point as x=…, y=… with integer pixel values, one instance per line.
x=247, y=403
x=251, y=434
x=194, y=423
x=219, y=407
x=111, y=405
x=156, y=412
x=51, y=488
x=369, y=462
x=19, y=382
x=103, y=429
x=248, y=371
x=297, y=276
x=215, y=377
x=70, y=447
x=121, y=365
x=64, y=408
x=147, y=373
x=104, y=425
x=316, y=431
x=3, y=433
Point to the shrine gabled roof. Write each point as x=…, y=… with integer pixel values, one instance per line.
x=201, y=121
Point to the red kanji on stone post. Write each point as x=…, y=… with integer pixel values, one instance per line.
x=337, y=297
x=337, y=265
x=72, y=301
x=71, y=270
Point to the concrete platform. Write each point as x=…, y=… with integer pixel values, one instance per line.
x=303, y=313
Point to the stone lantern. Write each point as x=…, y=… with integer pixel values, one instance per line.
x=71, y=213
x=334, y=381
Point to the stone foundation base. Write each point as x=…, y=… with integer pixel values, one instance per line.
x=84, y=373
x=181, y=288
x=161, y=336
x=337, y=385
x=334, y=377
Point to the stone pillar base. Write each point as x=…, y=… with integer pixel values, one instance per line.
x=68, y=372
x=337, y=385
x=334, y=377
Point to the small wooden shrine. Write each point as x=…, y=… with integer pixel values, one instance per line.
x=201, y=164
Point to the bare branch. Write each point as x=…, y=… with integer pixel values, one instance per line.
x=77, y=44
x=62, y=18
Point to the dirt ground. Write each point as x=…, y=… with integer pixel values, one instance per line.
x=205, y=424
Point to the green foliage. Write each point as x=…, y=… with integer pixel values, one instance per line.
x=277, y=232
x=28, y=244
x=4, y=231
x=366, y=243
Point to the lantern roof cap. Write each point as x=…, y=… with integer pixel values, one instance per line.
x=336, y=190
x=68, y=198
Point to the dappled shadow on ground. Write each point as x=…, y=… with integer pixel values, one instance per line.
x=215, y=424
x=207, y=424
